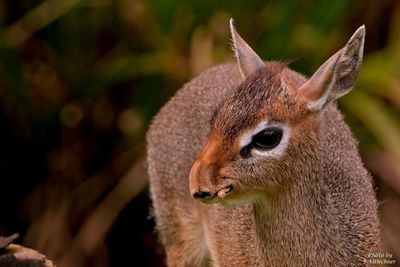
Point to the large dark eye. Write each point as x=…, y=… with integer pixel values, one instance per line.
x=267, y=138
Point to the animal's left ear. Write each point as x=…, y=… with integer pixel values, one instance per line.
x=337, y=76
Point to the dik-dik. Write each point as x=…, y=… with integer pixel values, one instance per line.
x=251, y=164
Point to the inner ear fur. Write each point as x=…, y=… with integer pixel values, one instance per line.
x=337, y=76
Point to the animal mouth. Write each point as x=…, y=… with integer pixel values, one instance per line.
x=222, y=193
x=209, y=197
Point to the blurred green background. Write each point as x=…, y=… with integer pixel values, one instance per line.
x=80, y=81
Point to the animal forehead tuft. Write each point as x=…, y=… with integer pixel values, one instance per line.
x=241, y=109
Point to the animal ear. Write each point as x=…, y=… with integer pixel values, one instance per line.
x=337, y=76
x=247, y=59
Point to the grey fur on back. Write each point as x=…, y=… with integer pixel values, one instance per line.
x=182, y=126
x=174, y=140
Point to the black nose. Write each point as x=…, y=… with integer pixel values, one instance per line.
x=202, y=195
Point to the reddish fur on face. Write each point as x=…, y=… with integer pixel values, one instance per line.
x=206, y=172
x=268, y=94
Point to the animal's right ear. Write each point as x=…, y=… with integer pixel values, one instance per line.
x=247, y=59
x=337, y=76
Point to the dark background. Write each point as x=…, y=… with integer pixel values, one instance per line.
x=80, y=81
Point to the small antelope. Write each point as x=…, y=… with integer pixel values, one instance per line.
x=251, y=164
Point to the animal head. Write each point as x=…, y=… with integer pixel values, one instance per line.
x=265, y=134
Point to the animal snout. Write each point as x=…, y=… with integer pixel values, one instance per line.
x=205, y=182
x=203, y=195
x=221, y=193
x=201, y=181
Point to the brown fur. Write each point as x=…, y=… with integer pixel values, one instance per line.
x=313, y=206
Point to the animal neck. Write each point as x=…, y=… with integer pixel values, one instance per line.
x=292, y=224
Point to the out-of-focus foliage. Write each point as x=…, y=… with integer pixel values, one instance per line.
x=81, y=79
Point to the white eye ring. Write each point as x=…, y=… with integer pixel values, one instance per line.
x=277, y=151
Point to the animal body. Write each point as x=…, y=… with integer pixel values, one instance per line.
x=251, y=164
